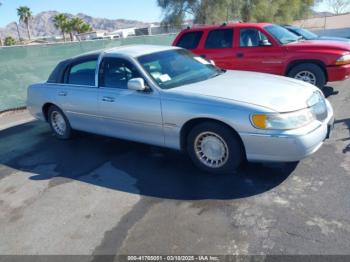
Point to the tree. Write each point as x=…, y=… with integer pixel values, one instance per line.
x=74, y=25
x=25, y=15
x=175, y=11
x=84, y=28
x=218, y=11
x=60, y=22
x=9, y=41
x=339, y=6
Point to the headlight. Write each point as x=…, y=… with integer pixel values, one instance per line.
x=283, y=121
x=343, y=60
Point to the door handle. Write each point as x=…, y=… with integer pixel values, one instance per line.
x=62, y=93
x=108, y=99
x=239, y=55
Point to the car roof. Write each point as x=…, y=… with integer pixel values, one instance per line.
x=130, y=50
x=229, y=25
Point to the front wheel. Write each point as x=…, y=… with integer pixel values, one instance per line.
x=215, y=148
x=310, y=73
x=59, y=123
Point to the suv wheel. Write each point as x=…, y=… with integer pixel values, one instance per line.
x=309, y=73
x=215, y=148
x=59, y=123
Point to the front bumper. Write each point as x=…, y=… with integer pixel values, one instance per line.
x=338, y=73
x=287, y=147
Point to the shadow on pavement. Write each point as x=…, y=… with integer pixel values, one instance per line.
x=347, y=123
x=329, y=91
x=130, y=167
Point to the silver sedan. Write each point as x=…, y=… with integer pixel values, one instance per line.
x=168, y=97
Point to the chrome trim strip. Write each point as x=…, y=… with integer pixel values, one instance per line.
x=117, y=119
x=68, y=85
x=266, y=135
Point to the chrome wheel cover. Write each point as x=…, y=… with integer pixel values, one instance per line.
x=306, y=76
x=211, y=149
x=58, y=123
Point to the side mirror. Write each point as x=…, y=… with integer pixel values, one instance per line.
x=265, y=42
x=137, y=84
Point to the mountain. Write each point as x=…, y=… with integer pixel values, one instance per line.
x=42, y=25
x=321, y=14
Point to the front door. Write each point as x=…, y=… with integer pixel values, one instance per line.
x=128, y=114
x=258, y=53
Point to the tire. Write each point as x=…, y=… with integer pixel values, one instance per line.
x=315, y=71
x=59, y=123
x=214, y=139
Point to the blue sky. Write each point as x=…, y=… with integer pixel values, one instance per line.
x=143, y=10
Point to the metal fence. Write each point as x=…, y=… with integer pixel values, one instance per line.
x=21, y=66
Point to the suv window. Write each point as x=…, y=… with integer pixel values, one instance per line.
x=190, y=40
x=116, y=72
x=82, y=73
x=219, y=38
x=251, y=37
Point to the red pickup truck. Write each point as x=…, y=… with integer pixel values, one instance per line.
x=268, y=48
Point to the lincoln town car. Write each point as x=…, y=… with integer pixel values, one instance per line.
x=169, y=97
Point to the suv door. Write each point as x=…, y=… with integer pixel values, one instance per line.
x=258, y=52
x=128, y=114
x=219, y=47
x=77, y=95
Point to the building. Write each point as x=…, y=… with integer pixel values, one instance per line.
x=98, y=34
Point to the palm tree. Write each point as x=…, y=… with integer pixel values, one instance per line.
x=25, y=15
x=74, y=25
x=84, y=28
x=61, y=21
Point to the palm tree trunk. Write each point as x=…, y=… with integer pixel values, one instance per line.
x=71, y=36
x=28, y=31
x=64, y=36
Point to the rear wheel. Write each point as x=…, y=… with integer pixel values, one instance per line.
x=59, y=123
x=215, y=148
x=310, y=73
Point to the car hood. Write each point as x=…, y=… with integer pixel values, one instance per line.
x=276, y=93
x=324, y=44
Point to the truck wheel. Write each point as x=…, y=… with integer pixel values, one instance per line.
x=59, y=123
x=215, y=148
x=310, y=73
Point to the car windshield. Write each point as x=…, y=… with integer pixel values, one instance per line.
x=306, y=34
x=281, y=34
x=179, y=67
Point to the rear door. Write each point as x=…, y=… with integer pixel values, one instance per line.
x=258, y=52
x=77, y=95
x=219, y=47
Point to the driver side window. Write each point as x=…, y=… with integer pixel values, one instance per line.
x=116, y=72
x=251, y=37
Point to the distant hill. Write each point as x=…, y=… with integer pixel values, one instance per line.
x=42, y=25
x=321, y=14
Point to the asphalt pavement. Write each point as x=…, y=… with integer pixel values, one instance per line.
x=95, y=195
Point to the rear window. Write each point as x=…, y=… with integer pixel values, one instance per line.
x=219, y=38
x=190, y=40
x=82, y=73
